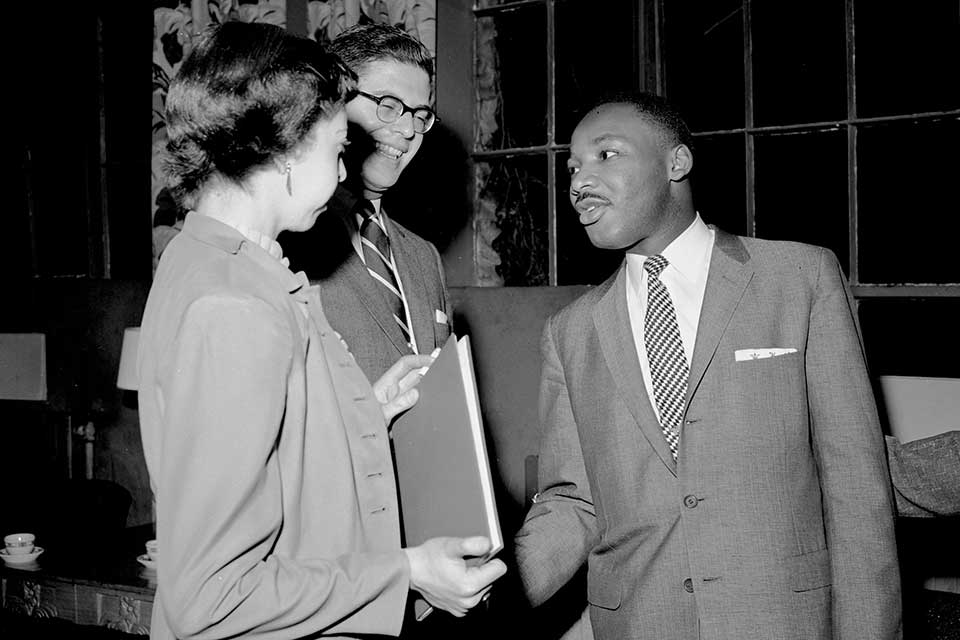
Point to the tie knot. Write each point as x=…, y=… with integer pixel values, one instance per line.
x=369, y=228
x=366, y=210
x=654, y=265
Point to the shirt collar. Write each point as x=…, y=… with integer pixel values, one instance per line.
x=232, y=239
x=688, y=253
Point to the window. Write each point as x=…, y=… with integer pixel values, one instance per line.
x=536, y=64
x=834, y=123
x=815, y=125
x=80, y=178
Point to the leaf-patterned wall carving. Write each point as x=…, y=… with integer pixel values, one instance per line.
x=176, y=24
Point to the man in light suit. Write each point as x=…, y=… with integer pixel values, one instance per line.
x=388, y=118
x=758, y=505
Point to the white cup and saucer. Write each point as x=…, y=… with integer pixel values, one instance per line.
x=149, y=559
x=19, y=549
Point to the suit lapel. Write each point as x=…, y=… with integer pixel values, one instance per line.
x=356, y=276
x=619, y=350
x=729, y=275
x=414, y=287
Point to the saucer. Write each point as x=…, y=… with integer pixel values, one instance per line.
x=24, y=558
x=145, y=560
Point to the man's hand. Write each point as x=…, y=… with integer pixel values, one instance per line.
x=395, y=388
x=439, y=571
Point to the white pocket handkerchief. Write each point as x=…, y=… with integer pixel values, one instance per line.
x=756, y=354
x=441, y=316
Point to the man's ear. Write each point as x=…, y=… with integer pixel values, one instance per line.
x=681, y=162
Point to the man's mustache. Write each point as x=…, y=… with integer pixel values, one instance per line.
x=579, y=196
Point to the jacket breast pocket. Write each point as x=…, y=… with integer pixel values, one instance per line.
x=603, y=589
x=768, y=387
x=782, y=369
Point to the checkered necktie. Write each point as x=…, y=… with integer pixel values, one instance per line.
x=376, y=255
x=668, y=365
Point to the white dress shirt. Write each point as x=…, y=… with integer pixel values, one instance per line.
x=685, y=278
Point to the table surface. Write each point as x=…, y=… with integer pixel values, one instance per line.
x=105, y=588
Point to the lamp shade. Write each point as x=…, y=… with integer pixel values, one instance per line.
x=127, y=377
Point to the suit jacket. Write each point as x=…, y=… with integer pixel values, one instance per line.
x=268, y=455
x=354, y=303
x=777, y=519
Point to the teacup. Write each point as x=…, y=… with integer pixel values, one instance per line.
x=151, y=549
x=19, y=544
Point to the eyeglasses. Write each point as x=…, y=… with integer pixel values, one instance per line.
x=390, y=109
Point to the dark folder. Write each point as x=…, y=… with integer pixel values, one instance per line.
x=443, y=473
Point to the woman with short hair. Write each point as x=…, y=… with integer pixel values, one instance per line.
x=268, y=449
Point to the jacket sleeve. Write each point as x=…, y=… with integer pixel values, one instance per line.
x=561, y=526
x=926, y=475
x=220, y=493
x=855, y=482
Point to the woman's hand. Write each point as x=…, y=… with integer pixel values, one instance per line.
x=440, y=570
x=396, y=388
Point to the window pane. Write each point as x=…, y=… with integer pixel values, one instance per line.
x=907, y=56
x=511, y=79
x=886, y=321
x=703, y=61
x=801, y=189
x=799, y=62
x=719, y=181
x=578, y=261
x=512, y=204
x=61, y=163
x=584, y=71
x=908, y=202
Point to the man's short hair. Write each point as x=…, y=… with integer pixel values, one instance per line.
x=362, y=44
x=656, y=110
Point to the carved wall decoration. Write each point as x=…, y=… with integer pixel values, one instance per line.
x=126, y=618
x=31, y=603
x=177, y=22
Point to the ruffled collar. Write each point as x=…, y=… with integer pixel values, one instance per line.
x=265, y=242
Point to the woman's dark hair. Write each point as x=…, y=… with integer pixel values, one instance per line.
x=246, y=94
x=362, y=44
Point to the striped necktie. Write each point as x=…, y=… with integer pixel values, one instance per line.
x=376, y=255
x=668, y=364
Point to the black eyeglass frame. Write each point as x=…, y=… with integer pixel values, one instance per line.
x=404, y=110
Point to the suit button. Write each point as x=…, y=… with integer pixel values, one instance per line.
x=690, y=501
x=688, y=585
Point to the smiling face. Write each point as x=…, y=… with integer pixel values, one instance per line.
x=315, y=171
x=625, y=181
x=389, y=147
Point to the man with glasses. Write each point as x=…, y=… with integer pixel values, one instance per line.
x=382, y=285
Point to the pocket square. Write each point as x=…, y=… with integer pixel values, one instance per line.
x=757, y=354
x=441, y=316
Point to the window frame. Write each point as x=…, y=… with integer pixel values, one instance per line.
x=653, y=77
